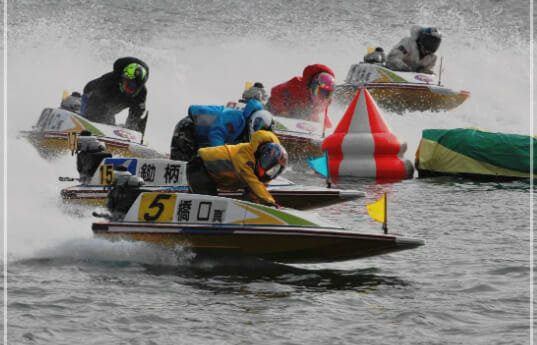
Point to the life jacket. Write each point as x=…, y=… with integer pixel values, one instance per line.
x=232, y=166
x=293, y=99
x=218, y=125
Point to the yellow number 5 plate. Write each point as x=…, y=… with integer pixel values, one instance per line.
x=157, y=207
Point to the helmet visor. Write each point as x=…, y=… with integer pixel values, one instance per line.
x=323, y=86
x=430, y=43
x=274, y=171
x=324, y=93
x=130, y=86
x=269, y=174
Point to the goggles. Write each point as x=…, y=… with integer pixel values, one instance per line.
x=269, y=174
x=323, y=93
x=130, y=86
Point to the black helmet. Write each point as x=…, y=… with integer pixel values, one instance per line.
x=429, y=40
x=271, y=161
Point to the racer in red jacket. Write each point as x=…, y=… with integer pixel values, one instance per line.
x=305, y=97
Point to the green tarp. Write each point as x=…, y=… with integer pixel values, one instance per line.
x=474, y=151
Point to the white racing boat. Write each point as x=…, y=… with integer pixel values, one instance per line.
x=222, y=226
x=51, y=133
x=97, y=172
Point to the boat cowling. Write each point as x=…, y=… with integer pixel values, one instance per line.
x=194, y=208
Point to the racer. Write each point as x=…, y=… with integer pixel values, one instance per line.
x=417, y=52
x=257, y=91
x=248, y=165
x=122, y=88
x=211, y=125
x=304, y=97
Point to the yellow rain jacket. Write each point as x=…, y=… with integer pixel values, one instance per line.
x=232, y=166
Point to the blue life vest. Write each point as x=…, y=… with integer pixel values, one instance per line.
x=218, y=125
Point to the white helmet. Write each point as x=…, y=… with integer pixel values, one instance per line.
x=260, y=120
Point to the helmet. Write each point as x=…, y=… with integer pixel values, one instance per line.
x=271, y=160
x=261, y=119
x=322, y=85
x=133, y=79
x=429, y=40
x=257, y=92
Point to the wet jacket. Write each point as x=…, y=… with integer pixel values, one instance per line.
x=232, y=166
x=405, y=56
x=103, y=98
x=218, y=125
x=293, y=98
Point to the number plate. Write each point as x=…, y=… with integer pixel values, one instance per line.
x=157, y=207
x=106, y=174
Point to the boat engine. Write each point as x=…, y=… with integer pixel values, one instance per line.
x=90, y=153
x=124, y=191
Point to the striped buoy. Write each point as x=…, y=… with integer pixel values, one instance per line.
x=363, y=146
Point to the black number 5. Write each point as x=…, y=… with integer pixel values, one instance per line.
x=156, y=203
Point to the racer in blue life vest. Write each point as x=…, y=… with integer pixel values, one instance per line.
x=212, y=125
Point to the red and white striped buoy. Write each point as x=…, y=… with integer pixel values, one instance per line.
x=363, y=146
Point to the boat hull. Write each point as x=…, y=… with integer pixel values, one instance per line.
x=286, y=244
x=405, y=97
x=55, y=144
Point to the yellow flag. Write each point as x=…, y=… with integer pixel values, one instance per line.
x=65, y=94
x=248, y=85
x=370, y=50
x=377, y=210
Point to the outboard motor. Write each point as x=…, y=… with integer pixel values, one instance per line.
x=90, y=153
x=124, y=191
x=376, y=56
x=183, y=146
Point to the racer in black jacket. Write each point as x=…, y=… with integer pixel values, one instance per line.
x=122, y=88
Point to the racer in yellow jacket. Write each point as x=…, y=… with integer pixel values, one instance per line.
x=249, y=166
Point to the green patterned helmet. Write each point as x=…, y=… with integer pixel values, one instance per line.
x=133, y=79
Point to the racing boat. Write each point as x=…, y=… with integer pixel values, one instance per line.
x=300, y=138
x=165, y=175
x=50, y=135
x=399, y=91
x=221, y=226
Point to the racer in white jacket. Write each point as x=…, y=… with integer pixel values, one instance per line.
x=417, y=52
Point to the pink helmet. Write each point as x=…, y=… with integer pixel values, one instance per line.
x=322, y=85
